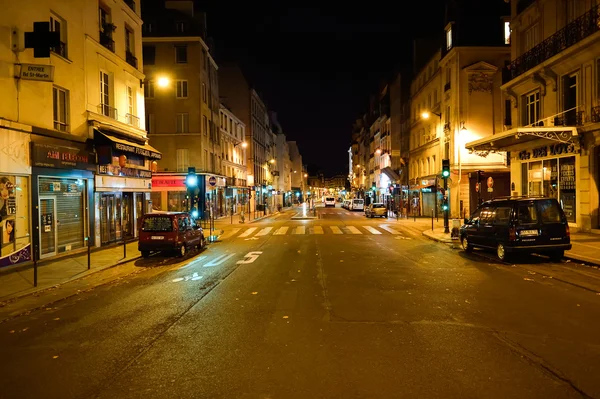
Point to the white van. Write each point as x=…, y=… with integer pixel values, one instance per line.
x=329, y=201
x=358, y=204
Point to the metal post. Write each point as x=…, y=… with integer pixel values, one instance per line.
x=446, y=227
x=432, y=213
x=87, y=240
x=35, y=271
x=124, y=247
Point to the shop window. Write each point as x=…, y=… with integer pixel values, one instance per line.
x=567, y=187
x=156, y=199
x=177, y=201
x=14, y=220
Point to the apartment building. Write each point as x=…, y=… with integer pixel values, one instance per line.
x=551, y=114
x=233, y=145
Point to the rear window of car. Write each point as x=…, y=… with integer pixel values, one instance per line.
x=378, y=206
x=550, y=211
x=158, y=223
x=358, y=201
x=329, y=199
x=527, y=213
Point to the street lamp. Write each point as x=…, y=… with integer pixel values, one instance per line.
x=271, y=161
x=243, y=144
x=426, y=115
x=378, y=151
x=163, y=81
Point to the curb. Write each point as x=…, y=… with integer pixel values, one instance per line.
x=429, y=235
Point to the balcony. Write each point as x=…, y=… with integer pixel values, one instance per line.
x=595, y=114
x=132, y=120
x=61, y=49
x=523, y=4
x=447, y=86
x=582, y=27
x=569, y=118
x=131, y=60
x=235, y=182
x=107, y=41
x=109, y=111
x=131, y=4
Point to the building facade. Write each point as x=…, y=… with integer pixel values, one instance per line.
x=551, y=114
x=233, y=144
x=298, y=175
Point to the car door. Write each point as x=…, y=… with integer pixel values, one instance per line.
x=472, y=227
x=502, y=218
x=486, y=226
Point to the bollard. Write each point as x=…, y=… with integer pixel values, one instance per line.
x=87, y=240
x=35, y=271
x=432, y=219
x=124, y=247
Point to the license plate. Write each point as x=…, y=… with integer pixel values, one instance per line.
x=529, y=233
x=158, y=237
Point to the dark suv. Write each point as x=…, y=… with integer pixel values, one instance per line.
x=518, y=225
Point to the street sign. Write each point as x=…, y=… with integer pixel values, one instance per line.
x=212, y=181
x=490, y=182
x=44, y=73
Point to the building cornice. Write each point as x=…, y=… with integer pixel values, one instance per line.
x=174, y=39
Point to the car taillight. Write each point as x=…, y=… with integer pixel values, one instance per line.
x=568, y=231
x=512, y=234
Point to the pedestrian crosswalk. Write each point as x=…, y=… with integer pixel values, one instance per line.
x=250, y=232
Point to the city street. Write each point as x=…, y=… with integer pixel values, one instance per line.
x=336, y=307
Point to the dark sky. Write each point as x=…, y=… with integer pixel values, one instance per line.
x=317, y=66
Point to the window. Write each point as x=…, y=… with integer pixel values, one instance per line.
x=182, y=159
x=572, y=10
x=506, y=32
x=61, y=108
x=149, y=89
x=181, y=54
x=180, y=27
x=129, y=45
x=106, y=29
x=549, y=211
x=205, y=124
x=130, y=106
x=105, y=94
x=570, y=99
x=502, y=216
x=158, y=223
x=57, y=24
x=204, y=93
x=183, y=123
x=449, y=38
x=149, y=55
x=206, y=160
x=530, y=38
x=507, y=113
x=150, y=123
x=531, y=108
x=182, y=89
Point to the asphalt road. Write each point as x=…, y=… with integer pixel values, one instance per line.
x=344, y=308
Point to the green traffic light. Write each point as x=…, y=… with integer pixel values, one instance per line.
x=445, y=173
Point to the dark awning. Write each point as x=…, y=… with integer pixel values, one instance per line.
x=389, y=172
x=124, y=145
x=503, y=141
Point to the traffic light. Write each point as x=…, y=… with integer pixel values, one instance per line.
x=191, y=182
x=445, y=168
x=445, y=203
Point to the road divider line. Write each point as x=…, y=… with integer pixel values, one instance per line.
x=371, y=230
x=264, y=231
x=248, y=232
x=281, y=231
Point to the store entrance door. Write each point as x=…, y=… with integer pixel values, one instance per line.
x=108, y=216
x=128, y=215
x=47, y=224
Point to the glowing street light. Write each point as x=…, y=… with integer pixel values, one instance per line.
x=378, y=151
x=425, y=115
x=163, y=81
x=244, y=144
x=272, y=160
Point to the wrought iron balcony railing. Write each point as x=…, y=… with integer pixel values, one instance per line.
x=582, y=27
x=132, y=120
x=109, y=111
x=569, y=118
x=107, y=41
x=130, y=58
x=595, y=114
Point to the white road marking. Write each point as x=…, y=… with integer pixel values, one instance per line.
x=372, y=230
x=250, y=257
x=336, y=230
x=318, y=230
x=248, y=232
x=389, y=229
x=193, y=277
x=218, y=260
x=230, y=233
x=281, y=231
x=194, y=261
x=300, y=230
x=353, y=230
x=264, y=231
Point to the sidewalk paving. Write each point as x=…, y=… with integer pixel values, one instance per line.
x=18, y=280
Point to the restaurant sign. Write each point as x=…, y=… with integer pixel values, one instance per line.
x=116, y=170
x=547, y=150
x=49, y=154
x=170, y=181
x=137, y=150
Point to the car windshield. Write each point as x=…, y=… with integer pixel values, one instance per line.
x=158, y=223
x=527, y=213
x=358, y=201
x=330, y=199
x=378, y=206
x=549, y=211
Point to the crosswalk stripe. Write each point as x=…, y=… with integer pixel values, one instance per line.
x=353, y=230
x=336, y=230
x=372, y=230
x=281, y=231
x=248, y=232
x=300, y=230
x=229, y=233
x=318, y=230
x=264, y=231
x=389, y=229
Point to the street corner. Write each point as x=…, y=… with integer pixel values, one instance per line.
x=440, y=236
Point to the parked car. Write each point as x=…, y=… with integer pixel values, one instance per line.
x=518, y=225
x=169, y=231
x=346, y=204
x=376, y=209
x=357, y=204
x=329, y=201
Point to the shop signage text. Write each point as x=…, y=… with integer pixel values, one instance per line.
x=43, y=73
x=169, y=182
x=114, y=170
x=547, y=150
x=57, y=156
x=137, y=150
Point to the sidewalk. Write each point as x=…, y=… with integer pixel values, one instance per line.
x=18, y=280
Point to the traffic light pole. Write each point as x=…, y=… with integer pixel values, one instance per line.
x=446, y=227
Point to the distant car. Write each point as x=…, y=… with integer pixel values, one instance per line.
x=376, y=209
x=518, y=225
x=357, y=204
x=329, y=201
x=169, y=231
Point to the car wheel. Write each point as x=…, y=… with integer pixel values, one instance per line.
x=145, y=254
x=182, y=251
x=557, y=256
x=501, y=252
x=467, y=247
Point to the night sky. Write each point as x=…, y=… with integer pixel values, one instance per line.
x=317, y=66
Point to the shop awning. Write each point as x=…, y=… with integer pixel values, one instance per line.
x=389, y=172
x=521, y=135
x=124, y=145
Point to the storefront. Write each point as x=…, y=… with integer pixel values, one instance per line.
x=123, y=185
x=61, y=194
x=543, y=162
x=15, y=191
